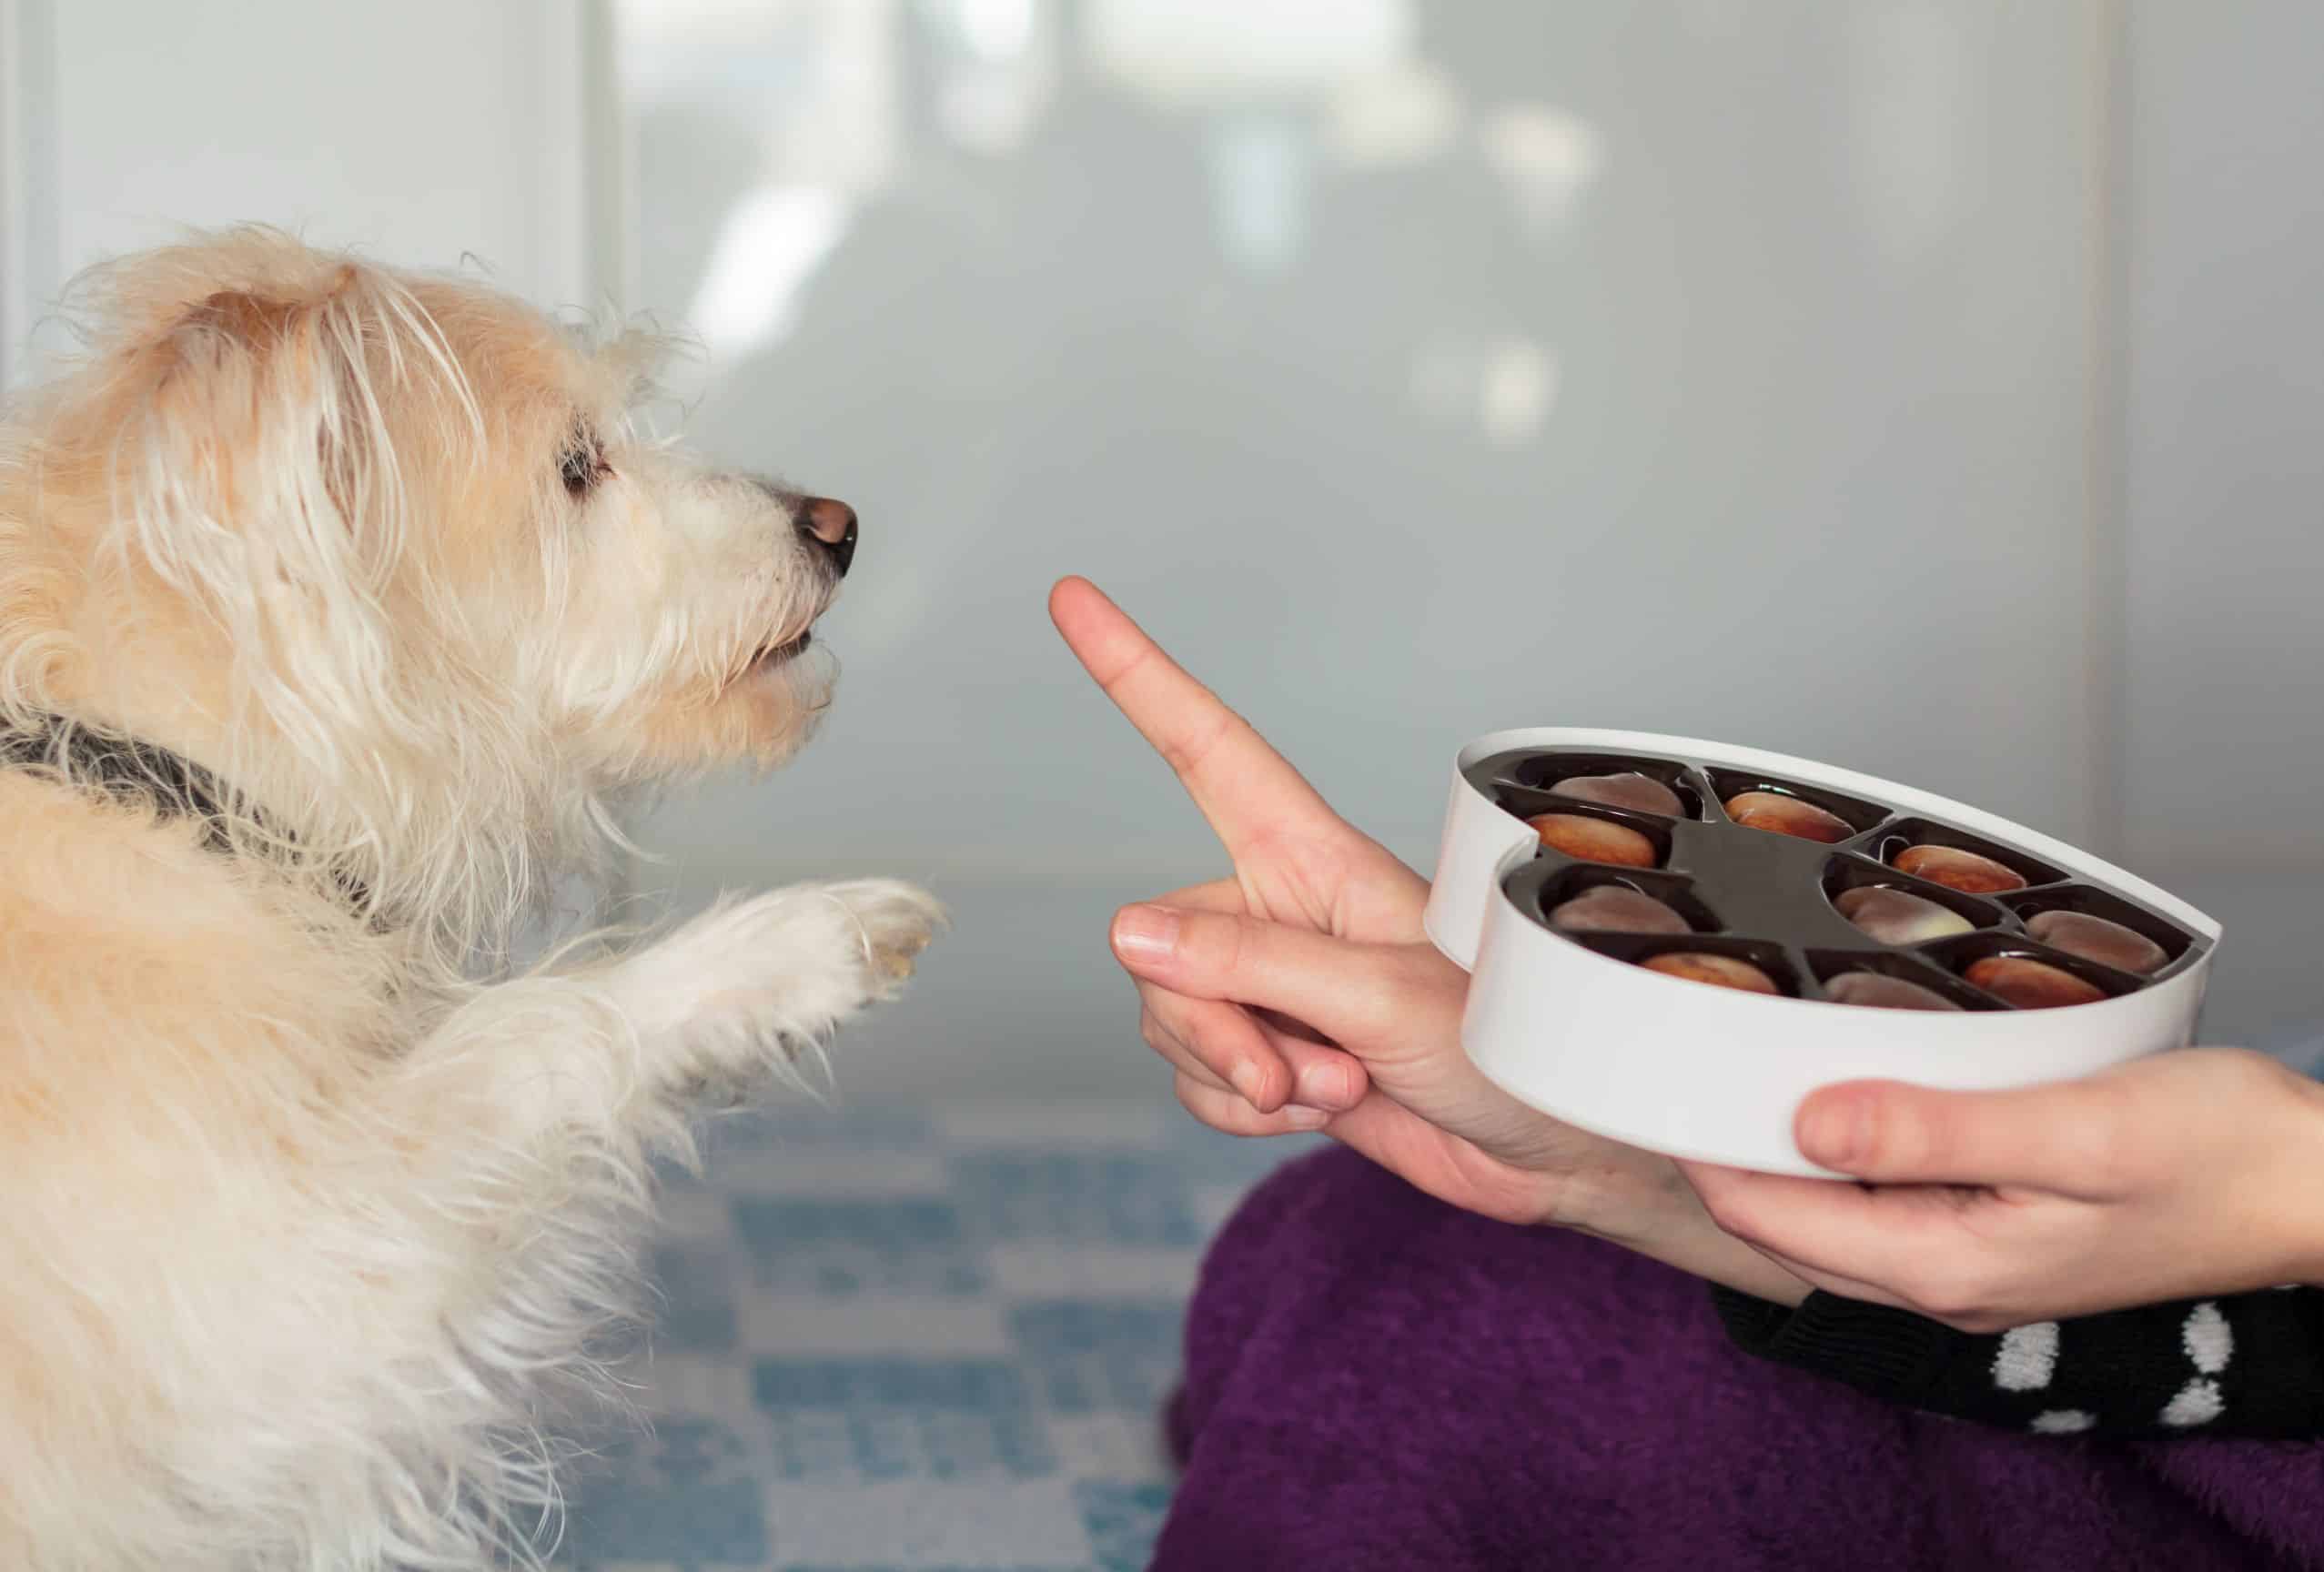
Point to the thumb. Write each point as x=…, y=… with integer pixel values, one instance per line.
x=2063, y=1137
x=1395, y=1008
x=1344, y=989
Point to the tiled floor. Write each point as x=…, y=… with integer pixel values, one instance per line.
x=907, y=1340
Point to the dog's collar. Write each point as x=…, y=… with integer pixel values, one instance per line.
x=126, y=769
x=122, y=767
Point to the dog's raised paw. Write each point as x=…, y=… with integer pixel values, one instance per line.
x=781, y=968
x=897, y=922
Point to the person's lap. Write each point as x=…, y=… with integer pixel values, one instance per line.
x=1377, y=1380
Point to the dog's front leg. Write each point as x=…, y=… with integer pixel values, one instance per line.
x=615, y=1054
x=749, y=988
x=495, y=1238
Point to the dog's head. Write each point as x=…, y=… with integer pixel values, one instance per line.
x=387, y=551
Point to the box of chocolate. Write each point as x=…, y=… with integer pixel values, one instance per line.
x=1673, y=943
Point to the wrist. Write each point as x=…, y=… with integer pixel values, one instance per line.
x=1627, y=1198
x=1643, y=1204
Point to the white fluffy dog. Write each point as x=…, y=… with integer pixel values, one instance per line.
x=339, y=609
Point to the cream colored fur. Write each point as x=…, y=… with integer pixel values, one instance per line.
x=311, y=1213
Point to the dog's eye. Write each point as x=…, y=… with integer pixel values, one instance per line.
x=583, y=464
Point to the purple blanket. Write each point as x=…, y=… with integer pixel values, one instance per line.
x=1377, y=1381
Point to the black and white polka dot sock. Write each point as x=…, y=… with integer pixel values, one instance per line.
x=2242, y=1364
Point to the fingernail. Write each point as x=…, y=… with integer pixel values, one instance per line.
x=1300, y=1118
x=1146, y=932
x=1833, y=1132
x=1246, y=1077
x=1322, y=1086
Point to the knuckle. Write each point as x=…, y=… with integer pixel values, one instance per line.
x=1185, y=752
x=1215, y=942
x=1900, y=1133
x=1186, y=1027
x=1203, y=1037
x=1233, y=946
x=1263, y=1083
x=1223, y=1112
x=1202, y=1046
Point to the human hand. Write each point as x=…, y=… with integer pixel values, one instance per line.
x=1294, y=861
x=2180, y=1174
x=1301, y=993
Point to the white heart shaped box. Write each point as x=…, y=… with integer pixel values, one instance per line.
x=1711, y=1073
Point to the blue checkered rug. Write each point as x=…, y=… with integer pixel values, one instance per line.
x=915, y=1341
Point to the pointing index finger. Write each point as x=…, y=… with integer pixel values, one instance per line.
x=1243, y=787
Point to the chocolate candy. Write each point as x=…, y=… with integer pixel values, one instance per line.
x=1876, y=992
x=1957, y=869
x=1639, y=864
x=1773, y=810
x=1627, y=789
x=2031, y=985
x=2096, y=939
x=1899, y=916
x=1616, y=909
x=1719, y=970
x=1593, y=840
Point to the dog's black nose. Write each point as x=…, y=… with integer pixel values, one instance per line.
x=830, y=524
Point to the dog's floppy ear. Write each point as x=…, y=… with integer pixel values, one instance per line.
x=271, y=396
x=258, y=471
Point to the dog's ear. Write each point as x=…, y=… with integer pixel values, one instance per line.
x=273, y=396
x=255, y=471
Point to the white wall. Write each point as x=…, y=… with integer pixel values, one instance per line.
x=422, y=130
x=2226, y=408
x=2223, y=740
